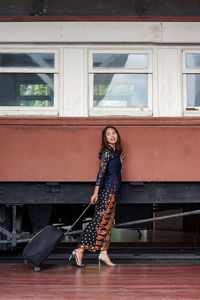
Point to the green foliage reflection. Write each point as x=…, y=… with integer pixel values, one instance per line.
x=34, y=95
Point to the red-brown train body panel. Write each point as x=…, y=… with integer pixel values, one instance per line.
x=66, y=149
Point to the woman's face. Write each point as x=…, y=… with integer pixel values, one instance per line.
x=111, y=136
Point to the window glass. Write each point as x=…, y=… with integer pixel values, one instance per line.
x=120, y=60
x=193, y=60
x=193, y=90
x=120, y=90
x=25, y=89
x=42, y=60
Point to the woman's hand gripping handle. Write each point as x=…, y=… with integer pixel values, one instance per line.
x=94, y=196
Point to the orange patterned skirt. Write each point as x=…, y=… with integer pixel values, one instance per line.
x=96, y=235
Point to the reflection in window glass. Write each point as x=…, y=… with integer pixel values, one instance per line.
x=193, y=60
x=19, y=89
x=193, y=90
x=119, y=60
x=37, y=60
x=120, y=90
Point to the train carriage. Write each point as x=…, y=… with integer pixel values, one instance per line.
x=62, y=82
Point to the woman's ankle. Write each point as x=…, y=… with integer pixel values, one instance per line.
x=80, y=250
x=104, y=252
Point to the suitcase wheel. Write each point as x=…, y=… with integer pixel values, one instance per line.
x=37, y=269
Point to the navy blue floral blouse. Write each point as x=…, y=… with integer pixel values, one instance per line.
x=109, y=175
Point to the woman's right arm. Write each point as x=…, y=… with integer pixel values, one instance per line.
x=94, y=196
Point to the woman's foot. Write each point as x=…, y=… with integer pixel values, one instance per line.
x=103, y=257
x=78, y=255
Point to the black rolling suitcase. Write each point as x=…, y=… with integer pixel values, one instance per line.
x=43, y=243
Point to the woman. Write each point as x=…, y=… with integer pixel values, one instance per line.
x=96, y=235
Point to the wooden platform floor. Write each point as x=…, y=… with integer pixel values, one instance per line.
x=54, y=282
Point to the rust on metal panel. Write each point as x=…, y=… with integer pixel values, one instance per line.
x=53, y=149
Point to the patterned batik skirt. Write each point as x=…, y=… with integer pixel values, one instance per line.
x=96, y=235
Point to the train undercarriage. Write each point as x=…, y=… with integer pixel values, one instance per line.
x=27, y=207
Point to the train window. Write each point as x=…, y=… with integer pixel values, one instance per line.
x=191, y=81
x=193, y=60
x=193, y=90
x=120, y=82
x=123, y=90
x=43, y=60
x=24, y=89
x=28, y=82
x=119, y=60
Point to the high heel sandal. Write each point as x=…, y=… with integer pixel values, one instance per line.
x=103, y=261
x=73, y=255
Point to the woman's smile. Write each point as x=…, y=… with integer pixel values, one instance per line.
x=111, y=136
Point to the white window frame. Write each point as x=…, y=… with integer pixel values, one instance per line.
x=24, y=110
x=133, y=111
x=189, y=110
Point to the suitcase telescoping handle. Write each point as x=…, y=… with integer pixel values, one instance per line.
x=66, y=233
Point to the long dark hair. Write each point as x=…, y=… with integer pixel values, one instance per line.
x=105, y=145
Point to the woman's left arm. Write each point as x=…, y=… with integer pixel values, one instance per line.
x=122, y=156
